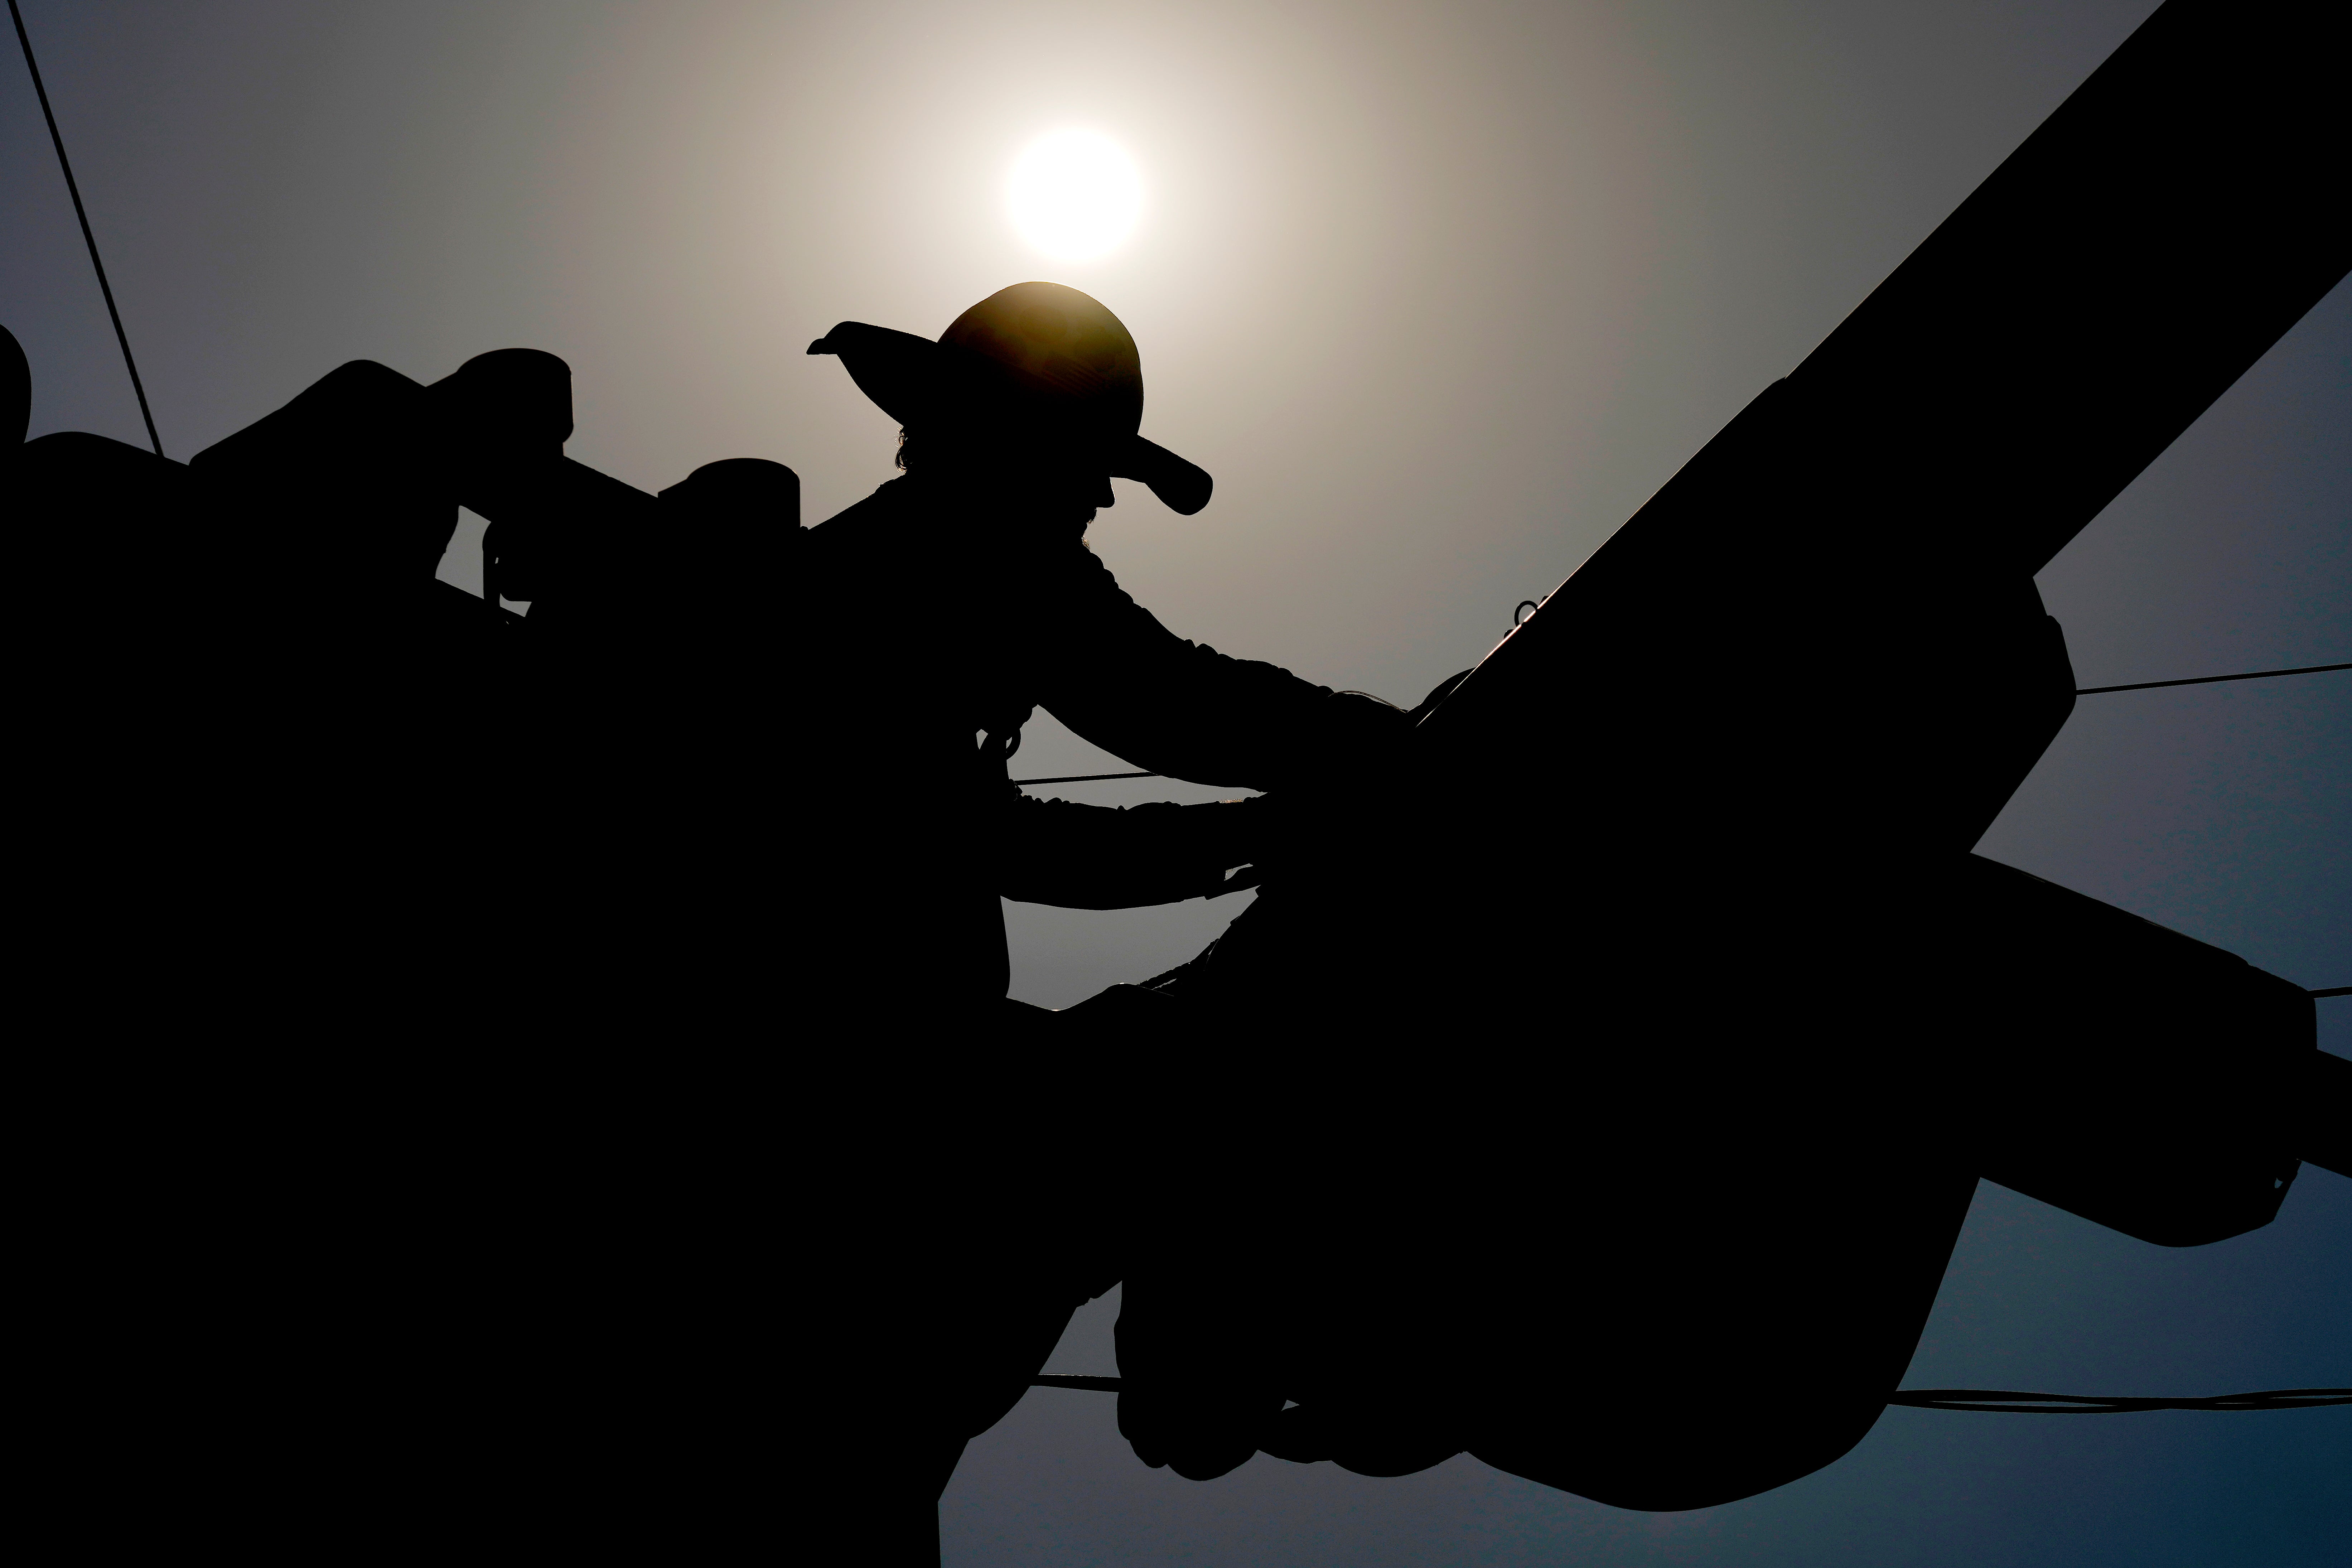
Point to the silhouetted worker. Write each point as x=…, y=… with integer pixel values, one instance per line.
x=956, y=600
x=934, y=617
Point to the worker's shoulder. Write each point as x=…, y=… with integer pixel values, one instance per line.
x=862, y=524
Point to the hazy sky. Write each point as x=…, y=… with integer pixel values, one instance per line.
x=1440, y=294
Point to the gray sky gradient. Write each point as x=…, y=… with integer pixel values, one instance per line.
x=1440, y=294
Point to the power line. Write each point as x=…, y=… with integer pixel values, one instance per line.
x=2004, y=1400
x=2209, y=679
x=1085, y=778
x=2012, y=1401
x=2080, y=691
x=88, y=238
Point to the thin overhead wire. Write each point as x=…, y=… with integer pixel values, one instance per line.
x=2002, y=1401
x=2014, y=1401
x=1084, y=778
x=2080, y=691
x=88, y=238
x=2211, y=679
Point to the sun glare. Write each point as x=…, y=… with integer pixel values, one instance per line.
x=1076, y=195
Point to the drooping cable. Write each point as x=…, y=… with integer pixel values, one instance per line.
x=2080, y=691
x=2015, y=1401
x=74, y=190
x=2211, y=679
x=1091, y=1385
x=1084, y=778
x=2002, y=1401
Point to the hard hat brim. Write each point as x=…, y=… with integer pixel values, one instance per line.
x=917, y=382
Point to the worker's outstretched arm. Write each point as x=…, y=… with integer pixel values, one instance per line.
x=1182, y=709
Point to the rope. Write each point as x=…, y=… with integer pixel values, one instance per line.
x=88, y=238
x=2004, y=1400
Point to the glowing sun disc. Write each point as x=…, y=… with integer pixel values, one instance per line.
x=1075, y=196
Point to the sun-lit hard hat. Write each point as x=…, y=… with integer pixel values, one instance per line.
x=1045, y=345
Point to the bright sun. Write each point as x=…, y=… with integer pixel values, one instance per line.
x=1075, y=196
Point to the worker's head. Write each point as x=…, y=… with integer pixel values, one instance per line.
x=1034, y=394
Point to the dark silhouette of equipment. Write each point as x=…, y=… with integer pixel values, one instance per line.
x=408, y=937
x=1653, y=1175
